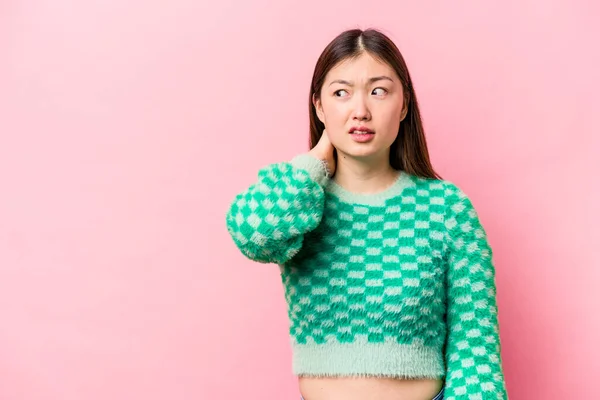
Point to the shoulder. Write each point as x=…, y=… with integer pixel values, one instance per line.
x=446, y=189
x=445, y=193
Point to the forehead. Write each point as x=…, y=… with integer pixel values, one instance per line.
x=361, y=68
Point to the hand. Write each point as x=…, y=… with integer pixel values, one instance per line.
x=324, y=151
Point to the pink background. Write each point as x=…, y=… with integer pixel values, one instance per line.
x=128, y=126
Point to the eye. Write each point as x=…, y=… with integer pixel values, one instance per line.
x=337, y=91
x=380, y=88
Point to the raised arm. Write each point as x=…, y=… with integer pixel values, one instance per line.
x=268, y=221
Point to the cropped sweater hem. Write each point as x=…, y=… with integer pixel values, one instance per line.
x=361, y=358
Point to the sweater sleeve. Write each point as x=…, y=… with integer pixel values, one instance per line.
x=473, y=361
x=268, y=221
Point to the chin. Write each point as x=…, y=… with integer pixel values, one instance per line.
x=362, y=153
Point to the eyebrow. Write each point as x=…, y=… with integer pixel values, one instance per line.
x=371, y=80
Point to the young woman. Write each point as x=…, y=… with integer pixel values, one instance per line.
x=387, y=270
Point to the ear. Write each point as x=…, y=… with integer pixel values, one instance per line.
x=318, y=108
x=404, y=111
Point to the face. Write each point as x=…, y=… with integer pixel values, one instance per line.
x=362, y=92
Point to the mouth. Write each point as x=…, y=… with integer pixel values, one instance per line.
x=361, y=134
x=360, y=130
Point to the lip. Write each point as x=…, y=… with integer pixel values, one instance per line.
x=360, y=129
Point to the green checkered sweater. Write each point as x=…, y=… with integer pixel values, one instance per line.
x=398, y=283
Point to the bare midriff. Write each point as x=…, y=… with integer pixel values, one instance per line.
x=365, y=388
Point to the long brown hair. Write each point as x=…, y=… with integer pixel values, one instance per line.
x=409, y=151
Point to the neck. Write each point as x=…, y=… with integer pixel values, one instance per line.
x=365, y=176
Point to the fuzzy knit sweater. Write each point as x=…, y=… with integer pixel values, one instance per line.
x=399, y=283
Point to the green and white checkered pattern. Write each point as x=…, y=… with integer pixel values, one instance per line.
x=269, y=220
x=402, y=286
x=473, y=349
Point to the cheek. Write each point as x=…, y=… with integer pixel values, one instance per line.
x=336, y=135
x=332, y=113
x=390, y=117
x=335, y=119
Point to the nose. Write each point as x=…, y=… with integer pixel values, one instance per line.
x=361, y=109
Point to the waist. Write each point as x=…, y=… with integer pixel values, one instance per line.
x=367, y=388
